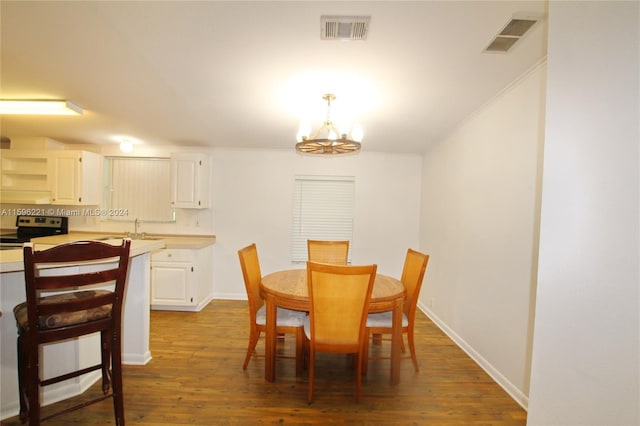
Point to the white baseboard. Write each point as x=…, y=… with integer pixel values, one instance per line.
x=513, y=391
x=136, y=359
x=230, y=296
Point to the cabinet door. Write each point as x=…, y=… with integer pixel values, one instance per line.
x=190, y=181
x=65, y=178
x=75, y=177
x=171, y=284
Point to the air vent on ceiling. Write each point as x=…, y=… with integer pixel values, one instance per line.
x=515, y=29
x=344, y=27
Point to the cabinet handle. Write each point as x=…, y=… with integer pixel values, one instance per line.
x=192, y=269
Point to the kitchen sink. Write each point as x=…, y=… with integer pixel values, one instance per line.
x=119, y=237
x=110, y=237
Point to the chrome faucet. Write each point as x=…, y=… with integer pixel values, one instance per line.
x=135, y=228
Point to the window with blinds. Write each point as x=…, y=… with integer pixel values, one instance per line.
x=323, y=209
x=140, y=186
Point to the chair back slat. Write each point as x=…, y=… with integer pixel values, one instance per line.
x=415, y=265
x=77, y=251
x=56, y=282
x=339, y=297
x=334, y=252
x=252, y=275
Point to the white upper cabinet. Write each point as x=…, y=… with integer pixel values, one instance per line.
x=75, y=177
x=190, y=175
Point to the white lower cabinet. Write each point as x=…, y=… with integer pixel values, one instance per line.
x=181, y=279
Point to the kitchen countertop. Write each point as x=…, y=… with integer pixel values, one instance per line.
x=11, y=260
x=170, y=241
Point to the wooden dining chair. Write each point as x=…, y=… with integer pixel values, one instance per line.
x=76, y=309
x=379, y=323
x=334, y=252
x=288, y=321
x=339, y=299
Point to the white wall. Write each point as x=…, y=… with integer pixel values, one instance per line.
x=585, y=352
x=480, y=204
x=252, y=202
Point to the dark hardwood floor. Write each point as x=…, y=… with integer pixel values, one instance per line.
x=196, y=378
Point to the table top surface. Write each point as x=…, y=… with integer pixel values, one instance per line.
x=292, y=284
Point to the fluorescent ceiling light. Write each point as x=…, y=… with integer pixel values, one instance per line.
x=39, y=107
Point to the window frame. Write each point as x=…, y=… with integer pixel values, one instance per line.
x=153, y=185
x=323, y=209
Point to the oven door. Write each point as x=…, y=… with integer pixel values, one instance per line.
x=10, y=242
x=10, y=246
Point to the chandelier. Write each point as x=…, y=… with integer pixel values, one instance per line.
x=328, y=139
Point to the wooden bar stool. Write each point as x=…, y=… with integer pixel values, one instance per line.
x=76, y=308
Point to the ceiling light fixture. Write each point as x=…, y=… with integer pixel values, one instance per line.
x=127, y=143
x=126, y=146
x=32, y=107
x=328, y=139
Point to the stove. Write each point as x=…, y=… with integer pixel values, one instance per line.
x=28, y=227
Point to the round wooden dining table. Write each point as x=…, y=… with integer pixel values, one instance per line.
x=288, y=289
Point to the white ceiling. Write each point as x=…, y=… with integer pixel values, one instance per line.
x=243, y=74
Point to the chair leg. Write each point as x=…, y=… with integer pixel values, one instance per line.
x=312, y=362
x=300, y=356
x=412, y=349
x=305, y=350
x=116, y=378
x=33, y=383
x=365, y=353
x=22, y=378
x=105, y=341
x=360, y=361
x=253, y=341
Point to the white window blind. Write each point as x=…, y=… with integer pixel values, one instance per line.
x=141, y=186
x=322, y=210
